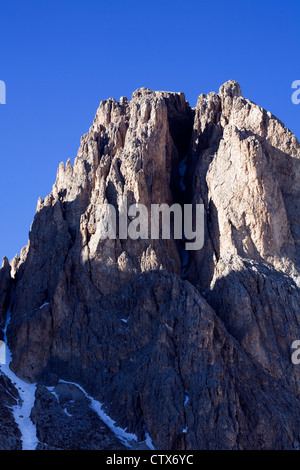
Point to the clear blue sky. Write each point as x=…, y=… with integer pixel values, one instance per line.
x=59, y=59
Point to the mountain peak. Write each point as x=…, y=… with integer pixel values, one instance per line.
x=179, y=345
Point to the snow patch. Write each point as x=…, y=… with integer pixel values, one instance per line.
x=149, y=442
x=44, y=305
x=22, y=410
x=66, y=411
x=51, y=389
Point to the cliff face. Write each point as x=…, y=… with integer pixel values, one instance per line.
x=195, y=351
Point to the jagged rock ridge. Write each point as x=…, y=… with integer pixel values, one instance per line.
x=200, y=362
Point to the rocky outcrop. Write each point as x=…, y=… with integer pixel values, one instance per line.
x=199, y=359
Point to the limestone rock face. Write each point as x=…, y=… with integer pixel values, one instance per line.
x=245, y=167
x=197, y=358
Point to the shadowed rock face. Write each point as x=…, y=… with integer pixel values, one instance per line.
x=198, y=363
x=10, y=436
x=65, y=421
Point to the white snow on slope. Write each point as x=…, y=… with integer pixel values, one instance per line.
x=125, y=437
x=149, y=442
x=128, y=439
x=21, y=411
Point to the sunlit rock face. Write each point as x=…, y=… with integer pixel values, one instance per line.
x=190, y=348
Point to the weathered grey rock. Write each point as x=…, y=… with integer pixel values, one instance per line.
x=202, y=363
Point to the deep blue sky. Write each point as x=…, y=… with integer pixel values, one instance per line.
x=60, y=58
